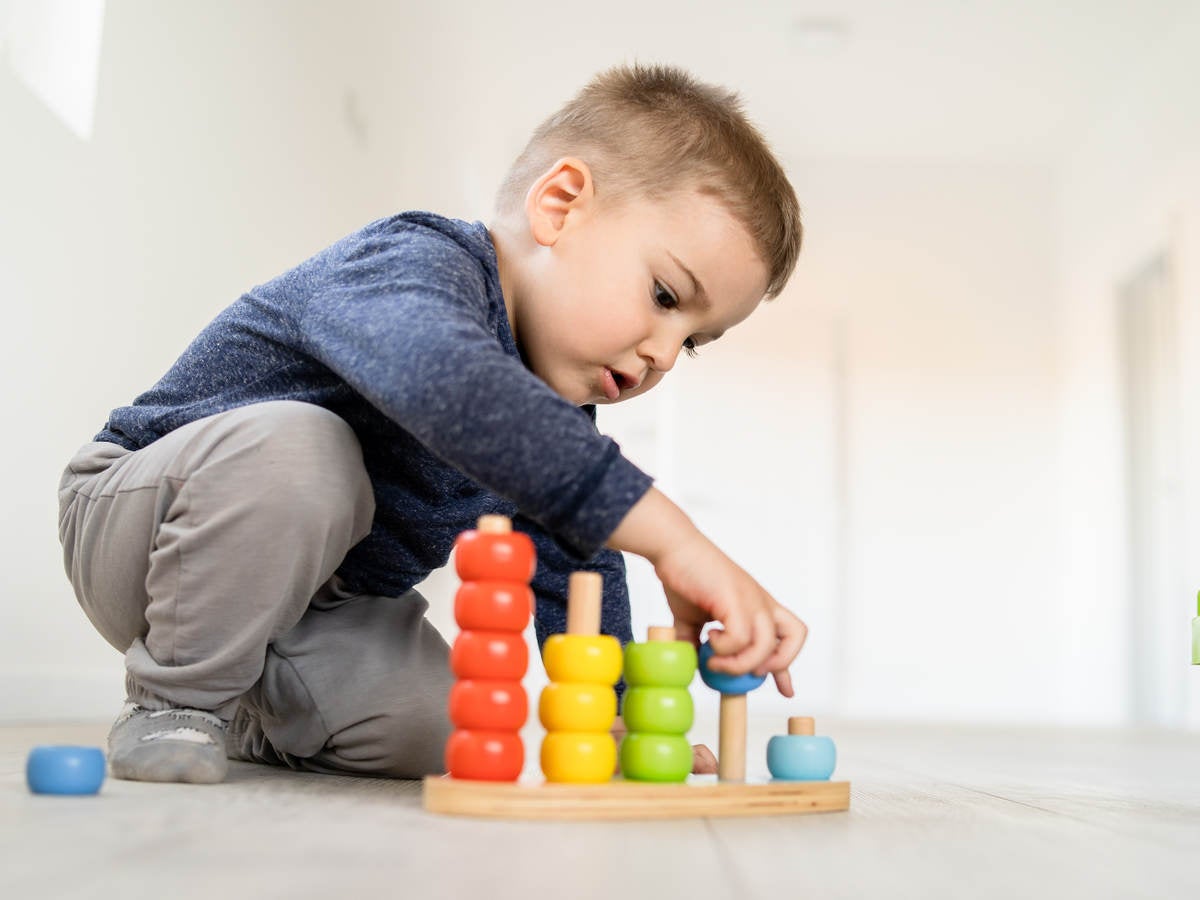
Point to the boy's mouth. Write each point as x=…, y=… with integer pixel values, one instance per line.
x=614, y=382
x=610, y=385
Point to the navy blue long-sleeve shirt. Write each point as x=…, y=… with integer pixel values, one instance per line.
x=401, y=330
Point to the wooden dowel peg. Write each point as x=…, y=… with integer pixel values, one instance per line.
x=583, y=603
x=494, y=525
x=801, y=725
x=660, y=633
x=731, y=741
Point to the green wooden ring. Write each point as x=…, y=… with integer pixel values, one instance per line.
x=656, y=757
x=660, y=664
x=658, y=710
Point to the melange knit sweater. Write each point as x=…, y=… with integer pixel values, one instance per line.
x=401, y=330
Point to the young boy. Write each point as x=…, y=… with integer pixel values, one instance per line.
x=248, y=532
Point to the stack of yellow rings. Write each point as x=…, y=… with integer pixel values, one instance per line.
x=578, y=707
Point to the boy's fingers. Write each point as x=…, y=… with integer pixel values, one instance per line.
x=792, y=635
x=703, y=760
x=730, y=638
x=749, y=656
x=783, y=681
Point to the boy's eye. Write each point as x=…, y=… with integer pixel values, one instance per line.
x=666, y=300
x=664, y=297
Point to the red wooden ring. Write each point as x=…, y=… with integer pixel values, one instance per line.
x=498, y=655
x=480, y=556
x=485, y=755
x=488, y=705
x=493, y=606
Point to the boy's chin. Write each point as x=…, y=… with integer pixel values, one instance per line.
x=580, y=395
x=596, y=401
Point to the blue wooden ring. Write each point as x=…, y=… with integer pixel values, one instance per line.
x=65, y=770
x=801, y=757
x=724, y=681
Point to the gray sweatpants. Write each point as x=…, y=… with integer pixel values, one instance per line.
x=207, y=558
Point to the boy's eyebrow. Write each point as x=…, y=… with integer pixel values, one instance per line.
x=697, y=287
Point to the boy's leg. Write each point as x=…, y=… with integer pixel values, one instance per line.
x=359, y=686
x=194, y=553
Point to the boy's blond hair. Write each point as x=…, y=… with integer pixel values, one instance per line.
x=654, y=131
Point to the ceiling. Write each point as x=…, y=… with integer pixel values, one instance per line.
x=1013, y=81
x=1021, y=80
x=1007, y=81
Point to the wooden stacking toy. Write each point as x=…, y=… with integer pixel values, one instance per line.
x=485, y=755
x=731, y=741
x=658, y=708
x=800, y=755
x=579, y=705
x=488, y=706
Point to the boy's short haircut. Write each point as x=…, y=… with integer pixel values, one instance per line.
x=655, y=131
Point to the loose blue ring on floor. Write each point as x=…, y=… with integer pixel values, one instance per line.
x=65, y=770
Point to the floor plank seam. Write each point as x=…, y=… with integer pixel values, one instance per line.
x=728, y=863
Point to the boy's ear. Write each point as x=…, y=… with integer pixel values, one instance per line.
x=564, y=188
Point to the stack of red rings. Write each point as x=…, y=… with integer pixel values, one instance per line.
x=488, y=706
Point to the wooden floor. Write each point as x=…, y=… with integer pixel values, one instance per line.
x=935, y=813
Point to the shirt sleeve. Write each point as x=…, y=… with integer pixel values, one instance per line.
x=405, y=324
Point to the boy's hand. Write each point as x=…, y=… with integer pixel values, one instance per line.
x=758, y=634
x=702, y=584
x=704, y=761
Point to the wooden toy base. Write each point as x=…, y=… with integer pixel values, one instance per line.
x=619, y=799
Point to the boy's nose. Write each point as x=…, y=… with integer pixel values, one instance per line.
x=660, y=352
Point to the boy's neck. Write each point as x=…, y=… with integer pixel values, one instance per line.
x=506, y=254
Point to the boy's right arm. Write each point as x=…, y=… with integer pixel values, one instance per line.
x=703, y=584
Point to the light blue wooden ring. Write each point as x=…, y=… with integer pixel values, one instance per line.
x=801, y=757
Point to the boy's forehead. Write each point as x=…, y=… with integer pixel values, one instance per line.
x=704, y=218
x=697, y=234
x=704, y=238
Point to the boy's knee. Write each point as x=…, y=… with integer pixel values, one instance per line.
x=301, y=435
x=310, y=458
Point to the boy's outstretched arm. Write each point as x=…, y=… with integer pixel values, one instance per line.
x=702, y=584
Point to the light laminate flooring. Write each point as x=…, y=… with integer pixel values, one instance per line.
x=936, y=812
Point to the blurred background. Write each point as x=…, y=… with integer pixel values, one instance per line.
x=964, y=445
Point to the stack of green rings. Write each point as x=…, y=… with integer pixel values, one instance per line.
x=658, y=708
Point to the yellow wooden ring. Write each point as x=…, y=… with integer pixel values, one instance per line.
x=586, y=658
x=574, y=757
x=571, y=706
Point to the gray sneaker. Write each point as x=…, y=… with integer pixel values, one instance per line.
x=167, y=745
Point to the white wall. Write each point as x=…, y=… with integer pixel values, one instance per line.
x=948, y=277
x=221, y=155
x=1131, y=191
x=898, y=405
